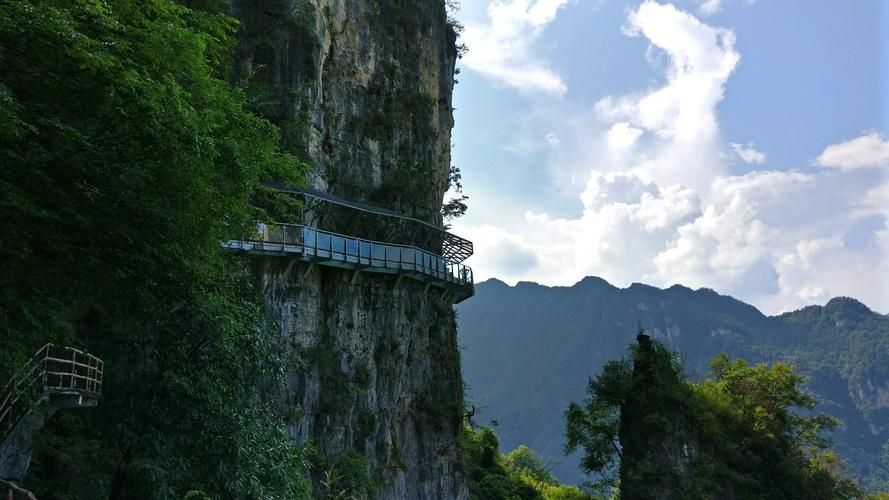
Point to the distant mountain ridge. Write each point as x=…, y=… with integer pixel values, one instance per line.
x=529, y=349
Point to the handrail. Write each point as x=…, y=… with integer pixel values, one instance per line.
x=361, y=252
x=454, y=247
x=52, y=369
x=363, y=207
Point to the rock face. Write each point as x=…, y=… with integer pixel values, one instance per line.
x=362, y=92
x=16, y=449
x=383, y=375
x=361, y=89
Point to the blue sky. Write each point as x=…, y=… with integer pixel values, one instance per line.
x=739, y=145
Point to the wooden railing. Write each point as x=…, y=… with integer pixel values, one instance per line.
x=54, y=370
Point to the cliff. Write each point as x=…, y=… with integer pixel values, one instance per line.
x=362, y=92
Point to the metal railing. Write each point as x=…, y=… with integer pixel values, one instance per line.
x=319, y=203
x=53, y=370
x=311, y=242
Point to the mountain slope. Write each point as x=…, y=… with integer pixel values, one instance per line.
x=528, y=350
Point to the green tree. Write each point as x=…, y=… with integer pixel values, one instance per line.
x=746, y=431
x=627, y=427
x=126, y=157
x=521, y=474
x=488, y=477
x=524, y=461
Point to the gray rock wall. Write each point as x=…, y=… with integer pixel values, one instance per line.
x=382, y=374
x=18, y=446
x=362, y=91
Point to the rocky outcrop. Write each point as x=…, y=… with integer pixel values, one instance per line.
x=362, y=92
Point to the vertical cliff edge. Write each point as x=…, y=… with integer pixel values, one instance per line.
x=362, y=92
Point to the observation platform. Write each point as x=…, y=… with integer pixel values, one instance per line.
x=347, y=252
x=55, y=378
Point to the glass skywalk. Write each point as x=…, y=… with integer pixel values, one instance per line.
x=327, y=248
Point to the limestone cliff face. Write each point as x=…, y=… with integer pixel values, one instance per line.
x=362, y=91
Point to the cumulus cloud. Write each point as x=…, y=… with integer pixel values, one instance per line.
x=867, y=151
x=710, y=7
x=502, y=49
x=499, y=252
x=876, y=200
x=748, y=153
x=660, y=204
x=735, y=237
x=622, y=135
x=729, y=246
x=680, y=115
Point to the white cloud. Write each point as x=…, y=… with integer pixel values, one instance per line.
x=552, y=139
x=869, y=150
x=748, y=153
x=876, y=201
x=622, y=135
x=681, y=115
x=729, y=246
x=661, y=206
x=735, y=238
x=501, y=50
x=499, y=252
x=710, y=7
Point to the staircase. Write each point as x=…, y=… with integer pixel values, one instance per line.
x=55, y=378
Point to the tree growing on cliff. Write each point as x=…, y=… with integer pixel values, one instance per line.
x=744, y=432
x=126, y=157
x=456, y=206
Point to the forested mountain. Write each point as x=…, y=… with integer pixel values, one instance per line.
x=529, y=350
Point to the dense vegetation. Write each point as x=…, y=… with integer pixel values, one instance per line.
x=528, y=349
x=744, y=432
x=126, y=157
x=519, y=475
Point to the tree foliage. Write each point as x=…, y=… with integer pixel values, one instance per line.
x=519, y=475
x=746, y=431
x=456, y=206
x=126, y=157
